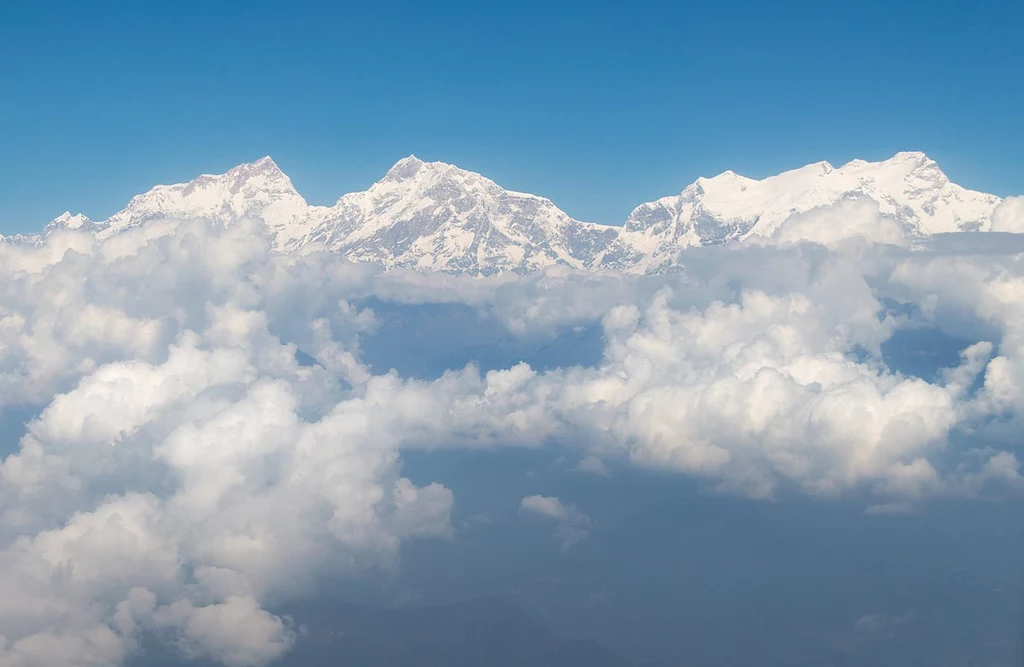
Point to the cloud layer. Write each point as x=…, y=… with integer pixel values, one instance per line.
x=170, y=468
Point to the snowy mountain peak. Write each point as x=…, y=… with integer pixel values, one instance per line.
x=922, y=166
x=68, y=221
x=909, y=186
x=433, y=179
x=724, y=179
x=263, y=175
x=434, y=215
x=252, y=190
x=404, y=169
x=907, y=167
x=913, y=157
x=265, y=162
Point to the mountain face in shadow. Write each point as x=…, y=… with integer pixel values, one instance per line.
x=482, y=632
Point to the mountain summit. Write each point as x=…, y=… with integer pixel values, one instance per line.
x=433, y=215
x=254, y=190
x=908, y=187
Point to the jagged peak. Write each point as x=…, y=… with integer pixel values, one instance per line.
x=902, y=160
x=913, y=163
x=265, y=166
x=910, y=156
x=70, y=220
x=725, y=178
x=917, y=161
x=404, y=169
x=815, y=168
x=410, y=159
x=728, y=173
x=412, y=172
x=412, y=167
x=263, y=174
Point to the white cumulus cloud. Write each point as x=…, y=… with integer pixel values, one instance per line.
x=572, y=525
x=178, y=472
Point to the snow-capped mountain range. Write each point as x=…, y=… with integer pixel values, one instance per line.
x=432, y=215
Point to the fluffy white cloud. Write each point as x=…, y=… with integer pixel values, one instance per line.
x=1009, y=216
x=572, y=524
x=754, y=394
x=179, y=471
x=177, y=482
x=236, y=632
x=977, y=292
x=851, y=219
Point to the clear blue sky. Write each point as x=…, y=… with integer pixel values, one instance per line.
x=599, y=106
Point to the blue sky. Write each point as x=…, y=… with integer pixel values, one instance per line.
x=599, y=106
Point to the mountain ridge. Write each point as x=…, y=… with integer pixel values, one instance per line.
x=436, y=216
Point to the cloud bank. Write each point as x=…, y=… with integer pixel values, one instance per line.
x=172, y=468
